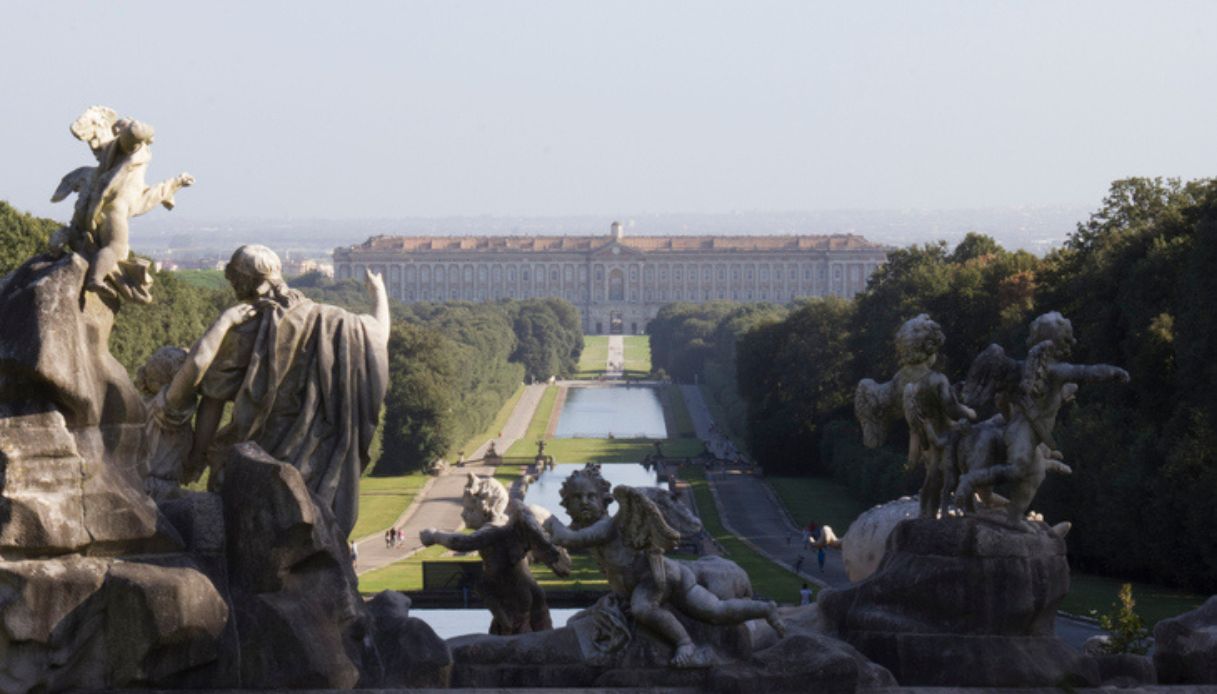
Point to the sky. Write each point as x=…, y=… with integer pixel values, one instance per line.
x=405, y=109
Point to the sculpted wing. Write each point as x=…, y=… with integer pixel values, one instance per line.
x=872, y=405
x=992, y=372
x=641, y=523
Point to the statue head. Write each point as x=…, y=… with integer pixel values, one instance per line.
x=586, y=495
x=1055, y=328
x=254, y=271
x=485, y=502
x=918, y=340
x=132, y=133
x=95, y=127
x=159, y=370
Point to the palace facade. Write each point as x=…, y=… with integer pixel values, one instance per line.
x=618, y=283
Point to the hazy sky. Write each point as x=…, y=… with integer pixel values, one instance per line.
x=387, y=109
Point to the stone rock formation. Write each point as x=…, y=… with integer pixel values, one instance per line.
x=1185, y=647
x=963, y=601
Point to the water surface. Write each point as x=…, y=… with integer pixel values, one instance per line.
x=624, y=412
x=545, y=491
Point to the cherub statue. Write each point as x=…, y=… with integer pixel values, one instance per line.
x=629, y=548
x=168, y=382
x=1029, y=395
x=925, y=397
x=109, y=194
x=506, y=533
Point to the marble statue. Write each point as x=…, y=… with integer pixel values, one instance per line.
x=306, y=381
x=1028, y=395
x=108, y=195
x=506, y=532
x=168, y=383
x=923, y=395
x=629, y=548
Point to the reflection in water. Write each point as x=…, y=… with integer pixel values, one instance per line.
x=545, y=491
x=620, y=412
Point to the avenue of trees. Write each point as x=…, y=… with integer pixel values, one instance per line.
x=1137, y=279
x=451, y=365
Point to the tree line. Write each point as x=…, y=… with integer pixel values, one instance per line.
x=451, y=365
x=1136, y=279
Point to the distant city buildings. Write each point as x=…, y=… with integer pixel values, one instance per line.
x=617, y=282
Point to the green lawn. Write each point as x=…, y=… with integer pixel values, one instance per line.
x=407, y=574
x=208, y=279
x=1089, y=593
x=527, y=446
x=819, y=499
x=637, y=356
x=382, y=500
x=491, y=431
x=593, y=358
x=768, y=579
x=678, y=413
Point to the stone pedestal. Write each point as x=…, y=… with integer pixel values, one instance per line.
x=1186, y=646
x=963, y=602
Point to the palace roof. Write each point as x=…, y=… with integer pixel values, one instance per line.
x=646, y=244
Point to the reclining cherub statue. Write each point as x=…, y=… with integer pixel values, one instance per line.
x=629, y=548
x=506, y=533
x=109, y=194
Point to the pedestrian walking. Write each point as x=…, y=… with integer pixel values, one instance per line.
x=805, y=595
x=820, y=557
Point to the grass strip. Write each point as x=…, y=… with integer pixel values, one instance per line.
x=593, y=358
x=819, y=499
x=637, y=356
x=407, y=574
x=383, y=499
x=527, y=445
x=769, y=581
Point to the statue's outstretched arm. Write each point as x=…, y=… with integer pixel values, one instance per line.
x=593, y=535
x=161, y=194
x=181, y=392
x=461, y=542
x=1088, y=373
x=380, y=303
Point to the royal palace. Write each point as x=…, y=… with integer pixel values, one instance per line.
x=617, y=282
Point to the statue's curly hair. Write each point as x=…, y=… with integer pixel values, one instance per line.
x=159, y=369
x=1054, y=327
x=918, y=340
x=591, y=474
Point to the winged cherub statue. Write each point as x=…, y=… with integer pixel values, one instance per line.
x=506, y=533
x=629, y=548
x=109, y=194
x=1028, y=396
x=923, y=395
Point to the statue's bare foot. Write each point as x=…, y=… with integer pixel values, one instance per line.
x=688, y=655
x=775, y=620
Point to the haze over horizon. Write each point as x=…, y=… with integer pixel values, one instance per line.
x=392, y=111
